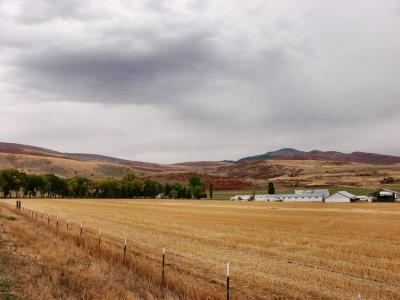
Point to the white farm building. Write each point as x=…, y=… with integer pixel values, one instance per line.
x=318, y=195
x=241, y=198
x=341, y=197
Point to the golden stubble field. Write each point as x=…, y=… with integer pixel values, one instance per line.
x=277, y=250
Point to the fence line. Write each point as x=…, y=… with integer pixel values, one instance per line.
x=177, y=262
x=174, y=263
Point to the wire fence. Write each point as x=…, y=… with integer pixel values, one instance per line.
x=180, y=273
x=188, y=276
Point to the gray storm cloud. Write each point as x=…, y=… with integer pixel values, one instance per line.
x=210, y=79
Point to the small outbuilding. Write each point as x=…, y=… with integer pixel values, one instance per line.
x=241, y=198
x=385, y=195
x=364, y=198
x=341, y=197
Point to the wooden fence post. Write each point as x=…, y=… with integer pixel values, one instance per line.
x=36, y=216
x=163, y=269
x=48, y=221
x=67, y=225
x=99, y=238
x=125, y=250
x=227, y=280
x=80, y=236
x=57, y=227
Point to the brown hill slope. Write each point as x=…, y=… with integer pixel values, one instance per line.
x=285, y=167
x=27, y=149
x=12, y=148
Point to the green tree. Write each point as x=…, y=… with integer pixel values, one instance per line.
x=138, y=188
x=271, y=188
x=78, y=187
x=176, y=191
x=111, y=188
x=132, y=186
x=95, y=187
x=33, y=184
x=128, y=185
x=211, y=191
x=151, y=188
x=196, y=186
x=194, y=181
x=53, y=185
x=41, y=188
x=167, y=190
x=2, y=182
x=186, y=193
x=174, y=194
x=11, y=181
x=61, y=187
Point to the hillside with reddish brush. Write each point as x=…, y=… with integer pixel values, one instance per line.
x=12, y=148
x=288, y=167
x=26, y=149
x=354, y=157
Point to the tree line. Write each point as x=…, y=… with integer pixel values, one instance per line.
x=20, y=184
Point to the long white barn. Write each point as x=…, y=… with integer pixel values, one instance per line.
x=318, y=195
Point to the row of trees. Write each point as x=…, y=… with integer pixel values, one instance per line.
x=14, y=182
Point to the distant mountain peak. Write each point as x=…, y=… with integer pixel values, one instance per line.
x=285, y=151
x=354, y=157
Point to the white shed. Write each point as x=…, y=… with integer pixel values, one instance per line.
x=241, y=198
x=341, y=197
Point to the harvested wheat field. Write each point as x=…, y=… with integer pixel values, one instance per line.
x=276, y=250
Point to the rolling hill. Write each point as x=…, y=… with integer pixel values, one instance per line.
x=288, y=167
x=354, y=157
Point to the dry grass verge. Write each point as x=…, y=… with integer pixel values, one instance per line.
x=40, y=265
x=277, y=250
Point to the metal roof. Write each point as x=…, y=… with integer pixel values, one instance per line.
x=290, y=195
x=387, y=190
x=347, y=194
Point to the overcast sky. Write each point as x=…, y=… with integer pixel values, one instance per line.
x=168, y=81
